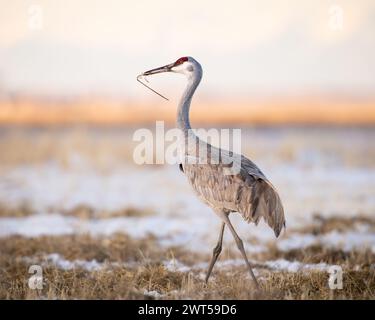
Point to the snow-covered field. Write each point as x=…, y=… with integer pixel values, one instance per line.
x=318, y=171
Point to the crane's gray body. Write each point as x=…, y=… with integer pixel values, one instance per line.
x=245, y=189
x=247, y=192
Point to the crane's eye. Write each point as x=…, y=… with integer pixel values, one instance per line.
x=180, y=61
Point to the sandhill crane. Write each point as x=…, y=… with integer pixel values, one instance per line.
x=247, y=192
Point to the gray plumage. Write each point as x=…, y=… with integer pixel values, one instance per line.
x=246, y=190
x=249, y=192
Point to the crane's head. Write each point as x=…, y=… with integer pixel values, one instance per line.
x=185, y=65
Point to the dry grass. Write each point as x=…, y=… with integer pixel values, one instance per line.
x=83, y=212
x=350, y=260
x=21, y=210
x=118, y=247
x=147, y=273
x=86, y=212
x=123, y=283
x=322, y=225
x=144, y=271
x=135, y=266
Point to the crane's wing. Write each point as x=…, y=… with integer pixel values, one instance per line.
x=256, y=197
x=247, y=192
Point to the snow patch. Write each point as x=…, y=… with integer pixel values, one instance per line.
x=37, y=225
x=61, y=263
x=295, y=266
x=153, y=294
x=176, y=266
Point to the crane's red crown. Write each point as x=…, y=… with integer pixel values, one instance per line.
x=181, y=61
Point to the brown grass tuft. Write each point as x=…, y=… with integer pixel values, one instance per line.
x=322, y=225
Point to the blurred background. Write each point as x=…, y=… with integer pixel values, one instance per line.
x=296, y=76
x=264, y=61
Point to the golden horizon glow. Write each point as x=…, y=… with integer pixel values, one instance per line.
x=106, y=112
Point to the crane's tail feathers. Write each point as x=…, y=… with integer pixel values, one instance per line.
x=264, y=202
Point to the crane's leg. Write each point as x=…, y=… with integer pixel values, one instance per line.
x=216, y=251
x=240, y=246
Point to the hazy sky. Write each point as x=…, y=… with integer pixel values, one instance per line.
x=245, y=47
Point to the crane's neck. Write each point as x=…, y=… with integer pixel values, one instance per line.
x=183, y=121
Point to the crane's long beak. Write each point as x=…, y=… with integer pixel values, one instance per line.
x=166, y=68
